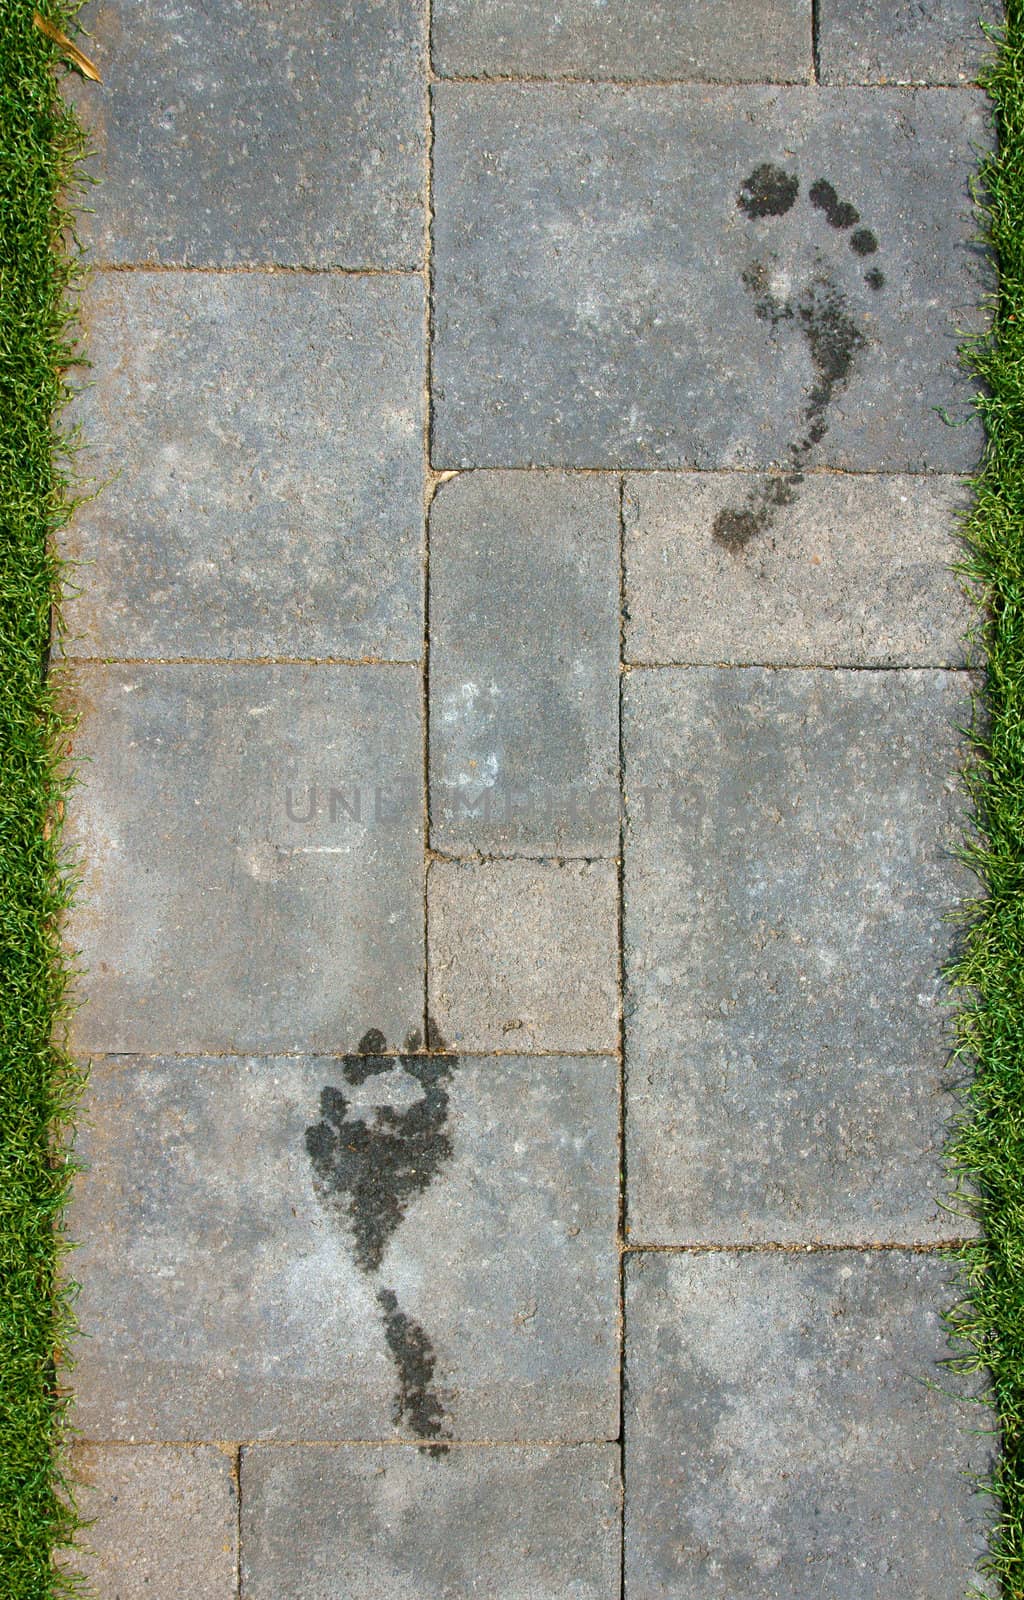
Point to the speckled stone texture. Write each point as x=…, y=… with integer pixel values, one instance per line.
x=164, y=1521
x=393, y=1524
x=262, y=495
x=236, y=1279
x=737, y=41
x=229, y=899
x=855, y=571
x=523, y=955
x=603, y=298
x=789, y=1430
x=788, y=864
x=239, y=134
x=524, y=665
x=904, y=41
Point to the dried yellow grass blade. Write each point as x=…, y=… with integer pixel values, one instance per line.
x=84, y=65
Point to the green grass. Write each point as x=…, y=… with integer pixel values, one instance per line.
x=988, y=1148
x=39, y=144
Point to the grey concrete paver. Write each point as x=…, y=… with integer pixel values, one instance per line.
x=524, y=664
x=163, y=1521
x=263, y=496
x=356, y=1523
x=523, y=955
x=788, y=865
x=790, y=1432
x=620, y=281
x=736, y=42
x=854, y=571
x=355, y=1248
x=904, y=41
x=239, y=135
x=230, y=899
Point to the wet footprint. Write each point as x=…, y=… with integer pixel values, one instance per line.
x=820, y=312
x=367, y=1167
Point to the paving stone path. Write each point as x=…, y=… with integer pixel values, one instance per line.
x=521, y=686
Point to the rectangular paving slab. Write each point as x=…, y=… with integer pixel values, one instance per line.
x=262, y=495
x=904, y=41
x=357, y=1523
x=845, y=571
x=231, y=898
x=364, y=1247
x=790, y=1432
x=240, y=134
x=164, y=1521
x=682, y=276
x=523, y=955
x=737, y=41
x=788, y=864
x=524, y=664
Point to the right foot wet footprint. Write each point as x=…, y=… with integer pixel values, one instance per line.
x=820, y=312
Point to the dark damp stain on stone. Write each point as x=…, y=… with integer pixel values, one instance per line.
x=768, y=192
x=371, y=1166
x=875, y=279
x=863, y=242
x=417, y=1404
x=838, y=213
x=734, y=528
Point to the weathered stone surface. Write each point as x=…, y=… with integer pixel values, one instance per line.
x=740, y=41
x=366, y=1247
x=618, y=285
x=209, y=918
x=524, y=664
x=523, y=955
x=787, y=870
x=165, y=1523
x=262, y=496
x=789, y=1432
x=853, y=571
x=392, y=1524
x=904, y=41
x=235, y=135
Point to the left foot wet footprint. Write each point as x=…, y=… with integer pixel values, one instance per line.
x=819, y=311
x=368, y=1166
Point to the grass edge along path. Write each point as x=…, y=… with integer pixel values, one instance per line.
x=40, y=145
x=987, y=1148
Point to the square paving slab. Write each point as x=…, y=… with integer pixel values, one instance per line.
x=703, y=277
x=230, y=898
x=355, y=1523
x=845, y=571
x=523, y=955
x=238, y=134
x=364, y=1247
x=261, y=495
x=790, y=1433
x=904, y=41
x=737, y=41
x=524, y=664
x=788, y=865
x=164, y=1521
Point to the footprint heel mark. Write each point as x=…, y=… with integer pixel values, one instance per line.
x=821, y=312
x=368, y=1166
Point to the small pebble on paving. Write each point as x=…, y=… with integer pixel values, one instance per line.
x=609, y=293
x=781, y=1437
x=261, y=496
x=230, y=898
x=523, y=955
x=388, y=1524
x=241, y=135
x=366, y=1247
x=524, y=665
x=787, y=869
